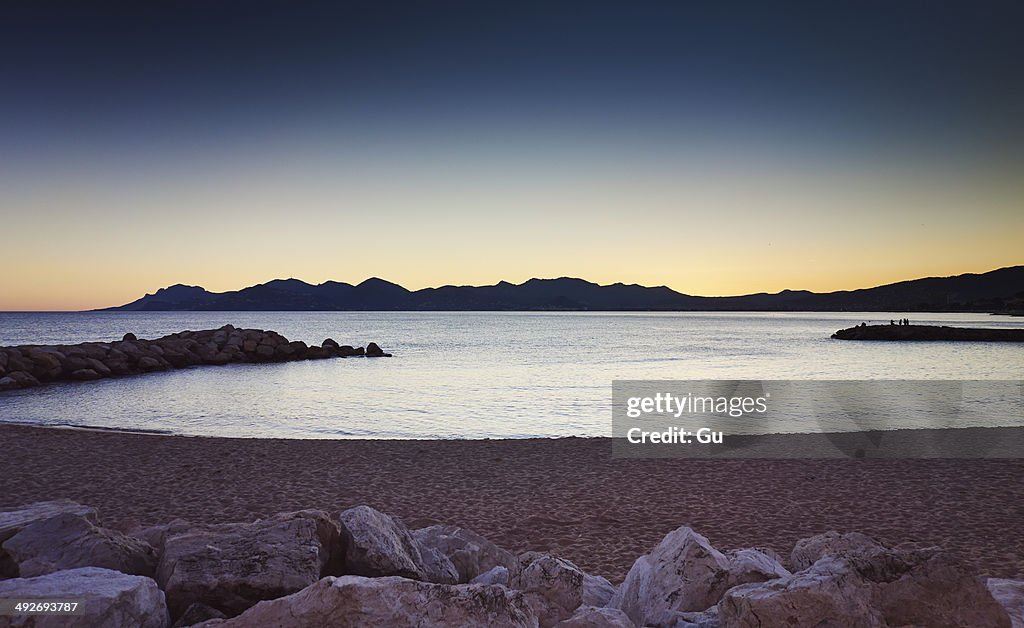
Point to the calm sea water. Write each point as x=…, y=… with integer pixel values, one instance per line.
x=471, y=375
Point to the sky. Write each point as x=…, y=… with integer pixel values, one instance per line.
x=717, y=148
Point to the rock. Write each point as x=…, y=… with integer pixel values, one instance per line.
x=98, y=366
x=69, y=540
x=830, y=593
x=316, y=353
x=355, y=602
x=196, y=614
x=810, y=550
x=471, y=553
x=265, y=352
x=329, y=343
x=1010, y=595
x=594, y=617
x=147, y=363
x=684, y=573
x=23, y=379
x=8, y=383
x=107, y=598
x=373, y=351
x=232, y=566
x=14, y=520
x=378, y=545
x=85, y=375
x=129, y=337
x=928, y=588
x=47, y=364
x=869, y=587
x=555, y=588
x=497, y=575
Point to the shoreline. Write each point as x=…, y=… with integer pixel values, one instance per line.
x=568, y=495
x=992, y=442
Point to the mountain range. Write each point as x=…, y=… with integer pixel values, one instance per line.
x=999, y=290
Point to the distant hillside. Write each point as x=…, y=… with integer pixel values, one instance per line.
x=996, y=291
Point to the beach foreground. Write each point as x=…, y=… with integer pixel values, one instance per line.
x=565, y=496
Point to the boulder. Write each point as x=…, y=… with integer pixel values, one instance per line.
x=376, y=544
x=870, y=587
x=374, y=351
x=14, y=520
x=85, y=375
x=106, y=598
x=129, y=337
x=555, y=588
x=1010, y=595
x=69, y=540
x=232, y=566
x=684, y=573
x=356, y=601
x=596, y=617
x=147, y=363
x=8, y=383
x=810, y=550
x=928, y=588
x=471, y=553
x=329, y=343
x=828, y=594
x=23, y=379
x=497, y=575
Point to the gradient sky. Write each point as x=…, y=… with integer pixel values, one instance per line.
x=717, y=148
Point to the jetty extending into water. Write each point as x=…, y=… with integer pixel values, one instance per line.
x=27, y=366
x=929, y=332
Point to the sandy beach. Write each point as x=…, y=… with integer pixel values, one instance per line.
x=566, y=496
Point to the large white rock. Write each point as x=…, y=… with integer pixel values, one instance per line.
x=68, y=540
x=232, y=566
x=108, y=598
x=1010, y=595
x=471, y=553
x=555, y=588
x=684, y=573
x=13, y=520
x=830, y=594
x=377, y=545
x=356, y=602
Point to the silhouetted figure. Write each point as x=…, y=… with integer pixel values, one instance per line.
x=892, y=322
x=906, y=321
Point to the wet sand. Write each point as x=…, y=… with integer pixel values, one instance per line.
x=566, y=496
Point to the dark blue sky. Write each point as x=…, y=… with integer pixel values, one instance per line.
x=936, y=71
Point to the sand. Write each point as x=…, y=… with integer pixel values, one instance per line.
x=567, y=496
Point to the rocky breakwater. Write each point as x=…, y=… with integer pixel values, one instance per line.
x=929, y=332
x=362, y=567
x=31, y=365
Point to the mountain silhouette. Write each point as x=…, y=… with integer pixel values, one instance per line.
x=999, y=290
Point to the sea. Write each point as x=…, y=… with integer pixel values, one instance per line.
x=476, y=375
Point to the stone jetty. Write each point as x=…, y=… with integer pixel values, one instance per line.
x=31, y=365
x=929, y=332
x=361, y=567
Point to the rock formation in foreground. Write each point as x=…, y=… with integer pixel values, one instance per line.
x=361, y=567
x=929, y=332
x=30, y=365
